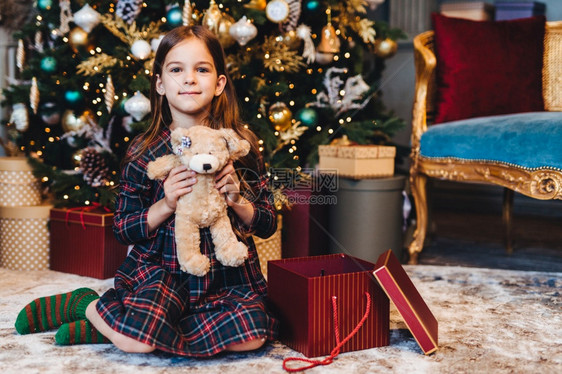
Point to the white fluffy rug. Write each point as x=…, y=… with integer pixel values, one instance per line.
x=492, y=321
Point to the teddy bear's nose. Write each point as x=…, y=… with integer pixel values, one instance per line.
x=207, y=167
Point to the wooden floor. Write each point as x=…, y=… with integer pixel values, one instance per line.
x=468, y=231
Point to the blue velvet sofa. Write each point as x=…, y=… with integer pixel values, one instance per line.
x=519, y=151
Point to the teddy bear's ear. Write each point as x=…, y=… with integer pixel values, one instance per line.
x=237, y=147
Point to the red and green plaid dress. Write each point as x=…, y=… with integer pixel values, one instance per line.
x=156, y=303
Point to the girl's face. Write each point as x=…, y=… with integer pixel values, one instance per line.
x=189, y=81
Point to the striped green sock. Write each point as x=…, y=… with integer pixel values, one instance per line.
x=46, y=313
x=79, y=332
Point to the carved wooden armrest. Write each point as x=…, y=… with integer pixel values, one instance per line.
x=425, y=62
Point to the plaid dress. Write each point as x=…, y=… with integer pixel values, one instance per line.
x=156, y=303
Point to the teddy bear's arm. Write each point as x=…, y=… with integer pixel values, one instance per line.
x=160, y=168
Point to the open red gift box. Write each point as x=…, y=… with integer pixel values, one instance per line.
x=301, y=289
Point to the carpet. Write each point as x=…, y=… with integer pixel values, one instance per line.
x=492, y=321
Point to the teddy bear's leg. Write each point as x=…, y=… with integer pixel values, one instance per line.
x=228, y=250
x=187, y=245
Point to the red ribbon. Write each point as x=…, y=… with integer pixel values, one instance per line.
x=336, y=351
x=83, y=209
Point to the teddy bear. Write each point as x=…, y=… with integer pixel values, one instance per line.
x=205, y=151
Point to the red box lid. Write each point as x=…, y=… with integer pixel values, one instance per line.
x=400, y=289
x=88, y=216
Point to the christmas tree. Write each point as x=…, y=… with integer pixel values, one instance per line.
x=306, y=72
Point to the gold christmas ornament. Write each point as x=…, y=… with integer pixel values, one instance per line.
x=187, y=14
x=34, y=95
x=71, y=122
x=280, y=115
x=385, y=48
x=219, y=24
x=212, y=17
x=224, y=31
x=77, y=38
x=256, y=4
x=330, y=42
x=77, y=157
x=109, y=96
x=20, y=55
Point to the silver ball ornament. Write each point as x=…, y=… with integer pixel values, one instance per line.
x=141, y=49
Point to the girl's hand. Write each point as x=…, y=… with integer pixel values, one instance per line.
x=227, y=183
x=178, y=183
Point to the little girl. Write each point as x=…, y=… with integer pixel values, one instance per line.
x=155, y=305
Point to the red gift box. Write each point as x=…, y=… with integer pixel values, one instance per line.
x=301, y=290
x=83, y=243
x=400, y=289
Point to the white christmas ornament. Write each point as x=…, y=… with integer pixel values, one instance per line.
x=65, y=18
x=141, y=49
x=309, y=51
x=355, y=87
x=373, y=4
x=154, y=43
x=342, y=96
x=87, y=18
x=49, y=114
x=138, y=106
x=277, y=11
x=243, y=31
x=20, y=117
x=126, y=123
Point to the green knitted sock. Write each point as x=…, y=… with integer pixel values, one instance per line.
x=79, y=332
x=46, y=313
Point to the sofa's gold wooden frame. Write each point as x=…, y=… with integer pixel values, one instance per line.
x=541, y=184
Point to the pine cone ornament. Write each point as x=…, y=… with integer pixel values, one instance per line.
x=94, y=168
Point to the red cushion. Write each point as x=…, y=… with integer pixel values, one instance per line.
x=488, y=67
